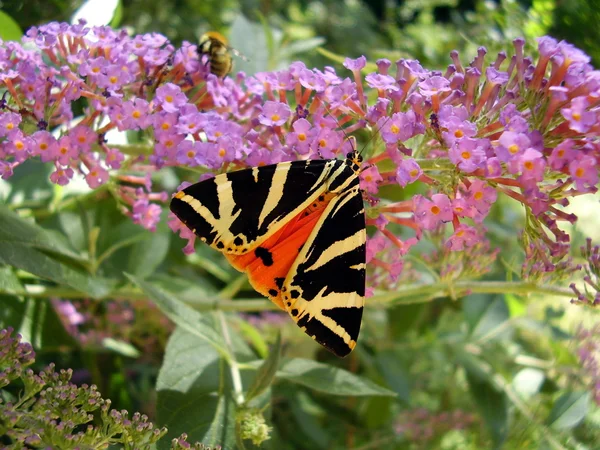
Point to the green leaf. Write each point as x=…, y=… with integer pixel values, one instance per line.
x=487, y=316
x=254, y=336
x=191, y=386
x=301, y=46
x=15, y=229
x=250, y=40
x=493, y=406
x=328, y=379
x=310, y=433
x=517, y=307
x=405, y=318
x=36, y=321
x=16, y=314
x=120, y=347
x=9, y=29
x=147, y=254
x=569, y=410
x=266, y=372
x=394, y=373
x=37, y=263
x=200, y=325
x=9, y=282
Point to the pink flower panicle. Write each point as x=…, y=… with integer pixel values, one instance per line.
x=591, y=267
x=422, y=426
x=589, y=357
x=468, y=133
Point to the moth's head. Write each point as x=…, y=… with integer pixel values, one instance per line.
x=354, y=160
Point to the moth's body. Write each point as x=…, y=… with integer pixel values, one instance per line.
x=298, y=230
x=215, y=46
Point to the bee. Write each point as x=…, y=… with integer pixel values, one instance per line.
x=216, y=47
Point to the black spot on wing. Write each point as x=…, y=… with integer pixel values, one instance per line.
x=324, y=336
x=349, y=318
x=193, y=220
x=273, y=292
x=265, y=255
x=279, y=282
x=338, y=274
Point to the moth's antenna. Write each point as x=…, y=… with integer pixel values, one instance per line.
x=352, y=139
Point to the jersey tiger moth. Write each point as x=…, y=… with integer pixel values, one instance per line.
x=298, y=230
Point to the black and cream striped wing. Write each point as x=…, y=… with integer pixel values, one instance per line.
x=234, y=212
x=325, y=288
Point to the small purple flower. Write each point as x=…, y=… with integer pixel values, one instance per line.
x=434, y=85
x=184, y=232
x=9, y=121
x=431, y=213
x=375, y=245
x=300, y=139
x=96, y=176
x=481, y=196
x=136, y=114
x=464, y=237
x=562, y=155
x=65, y=151
x=62, y=175
x=189, y=153
x=45, y=145
x=531, y=165
x=493, y=168
x=468, y=154
x=19, y=145
x=83, y=137
x=355, y=64
x=274, y=113
x=511, y=144
x=370, y=179
x=170, y=97
x=146, y=214
x=114, y=158
x=496, y=77
x=401, y=127
x=328, y=143
x=457, y=129
x=381, y=82
x=408, y=171
x=584, y=172
x=579, y=118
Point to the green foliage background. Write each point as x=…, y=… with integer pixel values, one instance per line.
x=508, y=361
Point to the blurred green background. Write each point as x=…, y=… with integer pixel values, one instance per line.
x=426, y=30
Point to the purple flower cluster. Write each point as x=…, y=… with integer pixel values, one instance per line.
x=591, y=294
x=517, y=126
x=48, y=411
x=589, y=357
x=129, y=321
x=422, y=426
x=14, y=356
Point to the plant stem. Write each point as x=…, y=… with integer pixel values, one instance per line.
x=418, y=293
x=234, y=369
